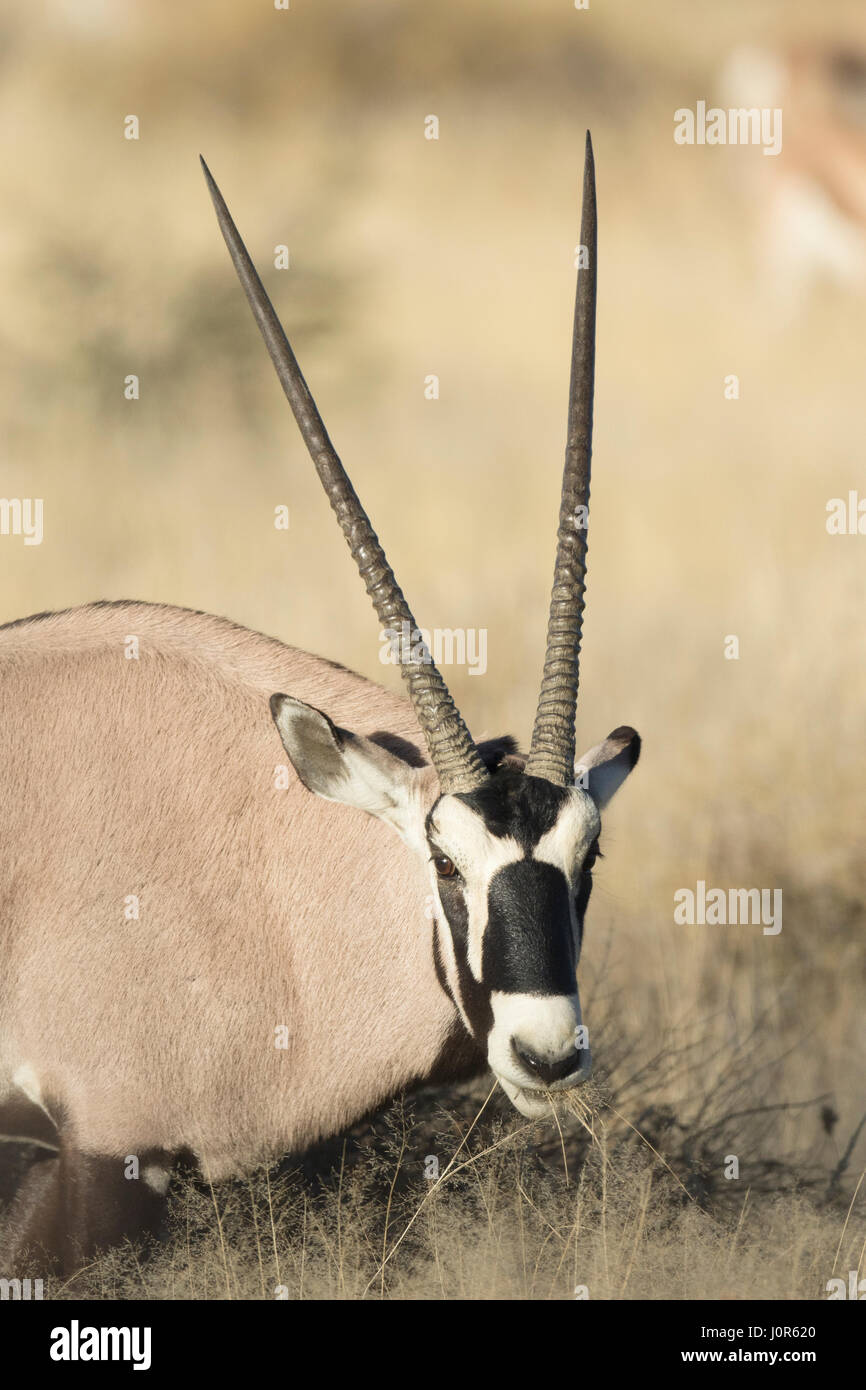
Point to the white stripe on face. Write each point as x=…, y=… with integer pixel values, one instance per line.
x=461, y=834
x=566, y=844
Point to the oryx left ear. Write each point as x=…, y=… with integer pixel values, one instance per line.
x=605, y=767
x=341, y=766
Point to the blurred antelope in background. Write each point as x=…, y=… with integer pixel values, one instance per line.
x=281, y=975
x=811, y=201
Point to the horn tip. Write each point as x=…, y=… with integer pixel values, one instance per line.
x=209, y=178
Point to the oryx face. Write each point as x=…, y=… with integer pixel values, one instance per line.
x=510, y=844
x=512, y=865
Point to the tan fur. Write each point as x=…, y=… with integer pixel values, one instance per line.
x=258, y=907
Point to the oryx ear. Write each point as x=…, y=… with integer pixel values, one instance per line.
x=342, y=766
x=605, y=767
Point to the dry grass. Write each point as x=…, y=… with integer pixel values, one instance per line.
x=599, y=1211
x=708, y=518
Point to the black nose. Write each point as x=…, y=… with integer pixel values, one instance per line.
x=548, y=1072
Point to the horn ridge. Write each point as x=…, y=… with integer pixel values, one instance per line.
x=452, y=750
x=552, y=750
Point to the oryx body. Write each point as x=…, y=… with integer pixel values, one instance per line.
x=169, y=904
x=221, y=943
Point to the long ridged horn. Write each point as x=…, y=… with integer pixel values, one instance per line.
x=551, y=753
x=450, y=744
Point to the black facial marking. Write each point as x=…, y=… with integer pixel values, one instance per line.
x=528, y=945
x=584, y=889
x=438, y=961
x=581, y=902
x=474, y=997
x=513, y=804
x=493, y=750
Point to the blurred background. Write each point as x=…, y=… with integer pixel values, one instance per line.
x=455, y=257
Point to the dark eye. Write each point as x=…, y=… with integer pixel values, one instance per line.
x=593, y=854
x=444, y=866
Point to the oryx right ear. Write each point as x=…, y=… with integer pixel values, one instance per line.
x=605, y=767
x=342, y=766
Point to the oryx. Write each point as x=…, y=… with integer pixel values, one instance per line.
x=200, y=957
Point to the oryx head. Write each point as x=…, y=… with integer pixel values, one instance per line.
x=510, y=841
